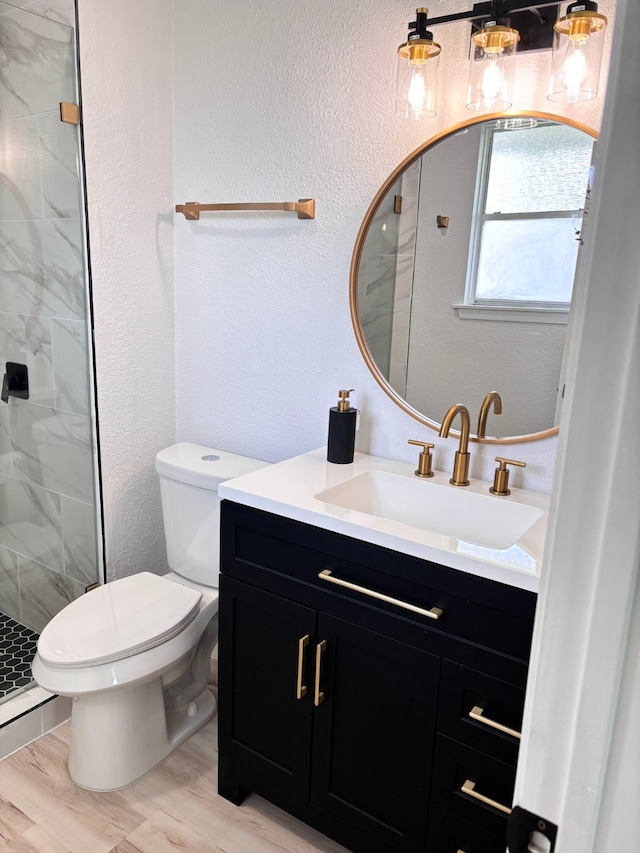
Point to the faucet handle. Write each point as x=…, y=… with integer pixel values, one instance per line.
x=501, y=475
x=425, y=458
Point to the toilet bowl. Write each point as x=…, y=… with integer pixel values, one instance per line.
x=135, y=654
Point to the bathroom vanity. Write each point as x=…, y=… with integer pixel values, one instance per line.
x=371, y=672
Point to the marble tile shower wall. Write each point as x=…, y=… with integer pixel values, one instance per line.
x=47, y=530
x=407, y=231
x=385, y=279
x=376, y=281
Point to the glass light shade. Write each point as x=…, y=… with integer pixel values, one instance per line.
x=576, y=56
x=492, y=68
x=417, y=81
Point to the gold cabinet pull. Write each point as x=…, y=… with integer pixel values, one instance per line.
x=321, y=648
x=301, y=689
x=477, y=713
x=434, y=613
x=469, y=788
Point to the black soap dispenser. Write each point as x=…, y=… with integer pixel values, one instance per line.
x=342, y=430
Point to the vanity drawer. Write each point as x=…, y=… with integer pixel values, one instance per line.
x=481, y=611
x=446, y=833
x=472, y=786
x=481, y=711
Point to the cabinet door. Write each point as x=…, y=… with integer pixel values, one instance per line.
x=373, y=733
x=264, y=728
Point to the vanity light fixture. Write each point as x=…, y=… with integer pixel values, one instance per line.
x=498, y=28
x=577, y=53
x=418, y=60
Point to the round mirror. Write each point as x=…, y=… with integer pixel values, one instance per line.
x=462, y=274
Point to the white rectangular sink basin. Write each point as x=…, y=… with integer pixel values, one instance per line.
x=485, y=520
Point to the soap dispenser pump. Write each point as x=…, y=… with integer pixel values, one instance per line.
x=342, y=430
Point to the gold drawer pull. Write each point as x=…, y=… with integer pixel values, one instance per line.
x=434, y=613
x=321, y=648
x=468, y=788
x=301, y=689
x=477, y=713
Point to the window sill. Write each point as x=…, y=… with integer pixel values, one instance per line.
x=512, y=314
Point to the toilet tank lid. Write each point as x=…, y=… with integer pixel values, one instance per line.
x=202, y=466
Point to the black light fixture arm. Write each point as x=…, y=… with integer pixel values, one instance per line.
x=418, y=28
x=491, y=9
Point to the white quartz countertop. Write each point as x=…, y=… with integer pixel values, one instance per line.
x=289, y=488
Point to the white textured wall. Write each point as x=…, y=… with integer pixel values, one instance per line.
x=125, y=53
x=273, y=101
x=281, y=100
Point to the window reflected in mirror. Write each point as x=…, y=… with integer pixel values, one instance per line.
x=462, y=274
x=529, y=201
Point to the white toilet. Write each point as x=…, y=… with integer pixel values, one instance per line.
x=135, y=654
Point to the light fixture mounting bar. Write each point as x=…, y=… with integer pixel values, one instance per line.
x=535, y=28
x=488, y=9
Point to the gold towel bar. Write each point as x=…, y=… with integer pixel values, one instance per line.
x=304, y=207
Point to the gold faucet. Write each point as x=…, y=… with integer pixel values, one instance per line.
x=461, y=462
x=485, y=408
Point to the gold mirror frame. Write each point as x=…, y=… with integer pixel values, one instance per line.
x=357, y=254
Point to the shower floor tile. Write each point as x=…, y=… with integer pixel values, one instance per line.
x=17, y=648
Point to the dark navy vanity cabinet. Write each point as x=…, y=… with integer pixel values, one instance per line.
x=384, y=728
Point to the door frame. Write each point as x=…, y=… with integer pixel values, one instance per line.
x=587, y=600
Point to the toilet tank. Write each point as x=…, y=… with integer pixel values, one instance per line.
x=189, y=478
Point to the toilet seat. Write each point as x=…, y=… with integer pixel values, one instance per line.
x=118, y=620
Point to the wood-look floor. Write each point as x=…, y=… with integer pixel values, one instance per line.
x=174, y=808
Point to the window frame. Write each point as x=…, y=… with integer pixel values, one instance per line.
x=518, y=310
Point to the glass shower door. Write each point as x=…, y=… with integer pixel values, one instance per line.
x=48, y=471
